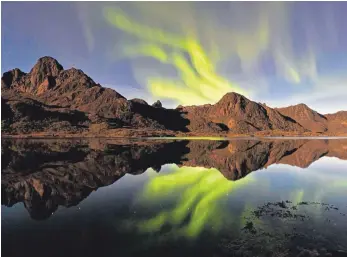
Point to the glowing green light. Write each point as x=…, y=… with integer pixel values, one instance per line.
x=198, y=192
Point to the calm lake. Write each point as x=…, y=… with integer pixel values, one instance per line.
x=239, y=197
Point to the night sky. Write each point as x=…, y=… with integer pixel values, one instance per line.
x=281, y=53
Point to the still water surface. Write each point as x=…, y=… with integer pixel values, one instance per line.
x=175, y=198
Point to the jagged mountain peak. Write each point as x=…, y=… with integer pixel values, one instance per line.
x=232, y=97
x=47, y=63
x=44, y=67
x=53, y=87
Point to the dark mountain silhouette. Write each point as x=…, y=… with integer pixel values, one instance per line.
x=52, y=101
x=44, y=174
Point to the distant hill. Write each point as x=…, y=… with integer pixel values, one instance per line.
x=238, y=114
x=50, y=100
x=307, y=117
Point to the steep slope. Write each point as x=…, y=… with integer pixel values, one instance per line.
x=49, y=84
x=22, y=115
x=238, y=114
x=337, y=122
x=307, y=117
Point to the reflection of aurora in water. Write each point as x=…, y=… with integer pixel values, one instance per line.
x=197, y=192
x=186, y=201
x=187, y=211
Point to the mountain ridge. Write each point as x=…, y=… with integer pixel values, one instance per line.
x=50, y=100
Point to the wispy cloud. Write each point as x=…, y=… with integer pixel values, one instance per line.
x=327, y=95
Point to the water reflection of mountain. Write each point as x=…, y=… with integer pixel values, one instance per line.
x=235, y=159
x=44, y=174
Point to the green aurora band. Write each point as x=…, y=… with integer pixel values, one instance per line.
x=198, y=191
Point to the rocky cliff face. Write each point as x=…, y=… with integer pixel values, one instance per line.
x=238, y=114
x=48, y=98
x=50, y=86
x=307, y=117
x=337, y=122
x=313, y=121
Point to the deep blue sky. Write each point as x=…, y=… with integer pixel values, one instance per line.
x=279, y=53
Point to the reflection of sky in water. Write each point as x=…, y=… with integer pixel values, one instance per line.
x=325, y=179
x=188, y=190
x=183, y=202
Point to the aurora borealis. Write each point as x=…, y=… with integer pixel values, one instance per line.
x=197, y=81
x=281, y=53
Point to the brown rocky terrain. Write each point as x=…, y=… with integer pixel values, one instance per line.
x=54, y=92
x=44, y=174
x=51, y=101
x=307, y=117
x=237, y=114
x=337, y=121
x=314, y=121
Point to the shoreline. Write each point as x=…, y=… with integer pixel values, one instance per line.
x=168, y=136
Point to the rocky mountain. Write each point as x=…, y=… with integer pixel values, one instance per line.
x=45, y=174
x=337, y=121
x=307, y=117
x=53, y=92
x=235, y=113
x=50, y=100
x=313, y=121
